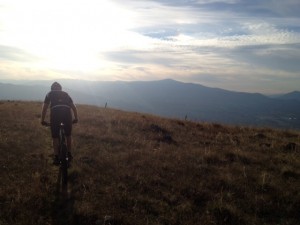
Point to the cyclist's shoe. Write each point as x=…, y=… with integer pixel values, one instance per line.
x=56, y=161
x=70, y=157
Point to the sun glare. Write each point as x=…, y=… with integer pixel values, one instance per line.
x=65, y=34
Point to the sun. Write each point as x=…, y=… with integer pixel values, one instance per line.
x=64, y=34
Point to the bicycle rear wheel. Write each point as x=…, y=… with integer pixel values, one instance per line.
x=64, y=164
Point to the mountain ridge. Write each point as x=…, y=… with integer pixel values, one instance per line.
x=170, y=98
x=294, y=95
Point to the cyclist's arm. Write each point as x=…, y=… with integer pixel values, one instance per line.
x=74, y=109
x=44, y=111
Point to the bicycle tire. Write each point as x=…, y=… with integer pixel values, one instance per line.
x=64, y=164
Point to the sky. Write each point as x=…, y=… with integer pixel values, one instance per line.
x=240, y=45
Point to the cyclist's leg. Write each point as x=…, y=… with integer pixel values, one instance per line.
x=69, y=146
x=69, y=143
x=68, y=130
x=55, y=143
x=55, y=121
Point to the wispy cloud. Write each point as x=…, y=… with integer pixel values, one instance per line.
x=8, y=53
x=233, y=44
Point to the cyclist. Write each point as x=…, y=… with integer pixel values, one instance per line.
x=61, y=105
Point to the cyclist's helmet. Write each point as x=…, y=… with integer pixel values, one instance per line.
x=56, y=87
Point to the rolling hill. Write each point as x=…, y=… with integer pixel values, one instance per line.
x=295, y=95
x=132, y=168
x=169, y=98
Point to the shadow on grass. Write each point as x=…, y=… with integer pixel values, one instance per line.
x=63, y=210
x=63, y=205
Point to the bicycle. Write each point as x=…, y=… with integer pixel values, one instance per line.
x=64, y=161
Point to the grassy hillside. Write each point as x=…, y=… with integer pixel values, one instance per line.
x=137, y=169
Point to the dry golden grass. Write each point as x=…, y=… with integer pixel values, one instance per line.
x=139, y=169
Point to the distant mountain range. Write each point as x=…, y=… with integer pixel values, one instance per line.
x=171, y=98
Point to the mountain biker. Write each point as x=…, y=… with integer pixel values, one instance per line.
x=61, y=105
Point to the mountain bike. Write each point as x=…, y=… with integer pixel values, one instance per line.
x=64, y=161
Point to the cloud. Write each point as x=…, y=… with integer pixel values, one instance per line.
x=218, y=42
x=8, y=53
x=287, y=8
x=269, y=8
x=276, y=57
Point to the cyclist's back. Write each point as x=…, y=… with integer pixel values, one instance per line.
x=60, y=105
x=58, y=98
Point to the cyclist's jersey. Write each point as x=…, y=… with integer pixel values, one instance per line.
x=60, y=103
x=58, y=99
